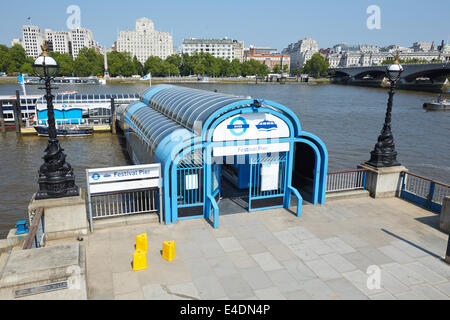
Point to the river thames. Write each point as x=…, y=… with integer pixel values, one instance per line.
x=348, y=119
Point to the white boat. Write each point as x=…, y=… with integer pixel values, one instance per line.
x=441, y=105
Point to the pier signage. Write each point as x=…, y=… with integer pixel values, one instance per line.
x=123, y=173
x=250, y=149
x=113, y=179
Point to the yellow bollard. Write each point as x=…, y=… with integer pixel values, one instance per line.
x=142, y=243
x=168, y=250
x=139, y=260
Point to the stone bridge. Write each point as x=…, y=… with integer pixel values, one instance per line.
x=417, y=76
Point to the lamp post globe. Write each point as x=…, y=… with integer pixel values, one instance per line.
x=56, y=178
x=384, y=154
x=45, y=66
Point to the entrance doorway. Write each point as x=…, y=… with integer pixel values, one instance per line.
x=257, y=183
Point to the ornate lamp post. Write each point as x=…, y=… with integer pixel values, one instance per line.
x=56, y=178
x=384, y=154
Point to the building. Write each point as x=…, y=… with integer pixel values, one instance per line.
x=81, y=38
x=145, y=41
x=300, y=52
x=59, y=41
x=268, y=56
x=218, y=48
x=238, y=50
x=362, y=56
x=32, y=39
x=422, y=46
x=252, y=147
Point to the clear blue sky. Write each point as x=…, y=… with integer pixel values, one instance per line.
x=258, y=22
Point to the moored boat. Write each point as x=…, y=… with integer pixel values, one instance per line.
x=66, y=130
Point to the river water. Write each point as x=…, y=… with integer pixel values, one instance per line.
x=348, y=119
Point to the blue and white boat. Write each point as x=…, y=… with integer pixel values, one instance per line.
x=266, y=125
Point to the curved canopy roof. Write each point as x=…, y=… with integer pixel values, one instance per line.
x=186, y=106
x=151, y=125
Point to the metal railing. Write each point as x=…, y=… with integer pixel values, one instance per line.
x=36, y=234
x=124, y=203
x=424, y=191
x=346, y=180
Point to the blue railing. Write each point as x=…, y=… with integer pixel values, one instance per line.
x=423, y=191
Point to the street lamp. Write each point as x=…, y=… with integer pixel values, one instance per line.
x=384, y=154
x=56, y=178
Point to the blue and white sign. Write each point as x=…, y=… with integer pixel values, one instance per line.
x=251, y=126
x=123, y=173
x=238, y=126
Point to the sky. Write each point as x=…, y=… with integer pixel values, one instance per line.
x=256, y=22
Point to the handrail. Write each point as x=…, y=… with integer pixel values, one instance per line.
x=346, y=171
x=215, y=209
x=299, y=200
x=33, y=229
x=425, y=178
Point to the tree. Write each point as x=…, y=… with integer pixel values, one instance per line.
x=3, y=58
x=276, y=69
x=317, y=66
x=137, y=66
x=64, y=61
x=285, y=68
x=16, y=59
x=155, y=66
x=235, y=67
x=88, y=63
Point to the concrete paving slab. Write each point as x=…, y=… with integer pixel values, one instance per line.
x=266, y=261
x=269, y=294
x=229, y=244
x=209, y=287
x=256, y=278
x=345, y=289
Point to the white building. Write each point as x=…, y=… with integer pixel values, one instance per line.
x=218, y=48
x=422, y=46
x=145, y=41
x=32, y=39
x=63, y=42
x=80, y=38
x=301, y=51
x=238, y=50
x=58, y=41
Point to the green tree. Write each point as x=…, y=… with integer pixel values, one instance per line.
x=64, y=61
x=17, y=59
x=235, y=67
x=155, y=66
x=137, y=66
x=120, y=64
x=317, y=66
x=276, y=69
x=88, y=63
x=3, y=58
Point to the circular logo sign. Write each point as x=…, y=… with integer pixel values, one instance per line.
x=238, y=126
x=95, y=176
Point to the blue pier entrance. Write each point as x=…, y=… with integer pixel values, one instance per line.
x=212, y=146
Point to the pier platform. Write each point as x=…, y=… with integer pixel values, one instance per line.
x=329, y=253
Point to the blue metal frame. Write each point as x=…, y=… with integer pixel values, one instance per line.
x=173, y=147
x=427, y=202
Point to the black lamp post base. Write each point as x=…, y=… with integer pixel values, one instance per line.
x=383, y=159
x=57, y=190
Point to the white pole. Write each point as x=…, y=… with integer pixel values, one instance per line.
x=150, y=79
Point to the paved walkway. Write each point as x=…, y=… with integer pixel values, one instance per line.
x=274, y=255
